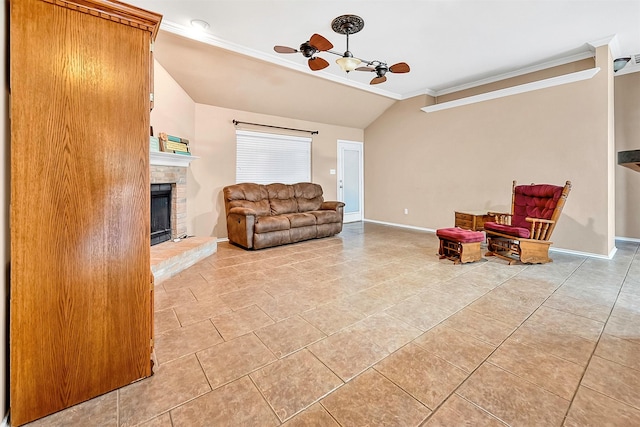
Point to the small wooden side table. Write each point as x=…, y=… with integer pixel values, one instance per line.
x=472, y=220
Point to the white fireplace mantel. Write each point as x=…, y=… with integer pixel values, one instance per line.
x=160, y=158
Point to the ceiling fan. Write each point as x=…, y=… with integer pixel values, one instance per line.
x=345, y=24
x=315, y=44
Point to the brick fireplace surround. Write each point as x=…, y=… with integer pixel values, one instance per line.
x=171, y=257
x=177, y=177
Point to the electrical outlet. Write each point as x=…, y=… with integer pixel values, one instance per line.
x=406, y=211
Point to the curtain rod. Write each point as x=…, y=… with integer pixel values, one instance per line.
x=312, y=132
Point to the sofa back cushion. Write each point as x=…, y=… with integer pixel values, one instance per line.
x=247, y=195
x=282, y=199
x=308, y=195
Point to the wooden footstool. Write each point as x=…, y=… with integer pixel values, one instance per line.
x=459, y=245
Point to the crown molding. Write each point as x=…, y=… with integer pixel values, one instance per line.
x=527, y=87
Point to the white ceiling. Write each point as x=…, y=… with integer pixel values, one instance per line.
x=447, y=43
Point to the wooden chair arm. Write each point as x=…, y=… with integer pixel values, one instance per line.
x=501, y=217
x=540, y=228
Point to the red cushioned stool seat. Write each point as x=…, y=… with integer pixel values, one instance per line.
x=459, y=245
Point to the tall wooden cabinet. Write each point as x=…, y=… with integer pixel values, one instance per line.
x=80, y=322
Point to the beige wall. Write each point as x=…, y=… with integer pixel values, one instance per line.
x=215, y=144
x=627, y=125
x=173, y=110
x=466, y=157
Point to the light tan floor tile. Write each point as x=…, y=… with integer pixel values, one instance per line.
x=388, y=333
x=421, y=374
x=287, y=305
x=613, y=380
x=511, y=399
x=557, y=342
x=550, y=319
x=580, y=307
x=314, y=416
x=415, y=312
x=372, y=400
x=241, y=322
x=348, y=353
x=198, y=311
x=165, y=320
x=236, y=404
x=167, y=299
x=498, y=307
x=163, y=420
x=289, y=335
x=295, y=383
x=550, y=372
x=253, y=295
x=623, y=351
x=593, y=409
x=456, y=411
x=478, y=325
x=233, y=359
x=102, y=411
x=186, y=340
x=627, y=304
x=626, y=327
x=173, y=384
x=457, y=348
x=332, y=317
x=185, y=279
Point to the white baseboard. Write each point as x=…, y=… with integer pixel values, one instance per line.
x=553, y=249
x=628, y=239
x=392, y=224
x=5, y=420
x=222, y=239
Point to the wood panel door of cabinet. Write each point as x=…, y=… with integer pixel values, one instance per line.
x=80, y=201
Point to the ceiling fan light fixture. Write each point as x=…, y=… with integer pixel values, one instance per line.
x=348, y=62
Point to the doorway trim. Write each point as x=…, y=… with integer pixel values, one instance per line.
x=358, y=146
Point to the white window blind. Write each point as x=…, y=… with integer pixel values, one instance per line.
x=265, y=158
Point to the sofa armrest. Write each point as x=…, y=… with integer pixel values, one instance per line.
x=242, y=211
x=240, y=224
x=333, y=206
x=540, y=228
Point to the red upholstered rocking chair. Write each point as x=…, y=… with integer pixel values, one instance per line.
x=525, y=232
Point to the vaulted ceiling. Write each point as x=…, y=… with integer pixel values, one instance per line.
x=449, y=44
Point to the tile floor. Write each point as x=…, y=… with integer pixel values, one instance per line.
x=370, y=328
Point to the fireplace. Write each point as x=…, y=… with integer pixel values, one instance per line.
x=160, y=213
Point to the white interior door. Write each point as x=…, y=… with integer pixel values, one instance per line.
x=351, y=179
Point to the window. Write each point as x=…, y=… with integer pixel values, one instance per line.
x=265, y=158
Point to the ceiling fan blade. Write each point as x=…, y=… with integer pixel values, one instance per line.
x=377, y=80
x=320, y=42
x=365, y=69
x=284, y=49
x=400, y=67
x=317, y=63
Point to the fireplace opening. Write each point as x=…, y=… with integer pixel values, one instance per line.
x=160, y=213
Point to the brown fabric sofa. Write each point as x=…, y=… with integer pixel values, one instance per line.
x=260, y=216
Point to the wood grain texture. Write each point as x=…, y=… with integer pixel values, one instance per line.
x=80, y=260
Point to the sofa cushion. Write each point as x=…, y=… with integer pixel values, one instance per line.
x=265, y=224
x=248, y=195
x=326, y=217
x=508, y=229
x=301, y=219
x=308, y=196
x=282, y=199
